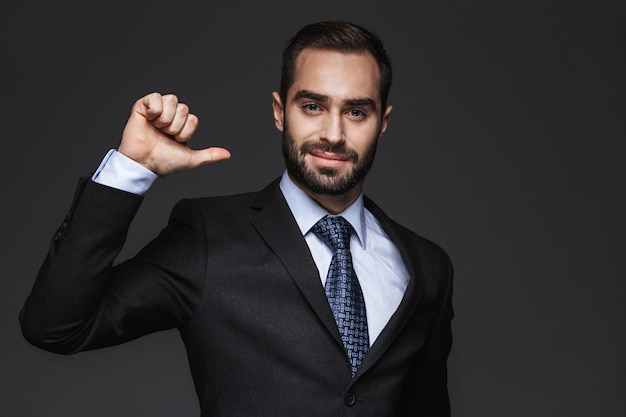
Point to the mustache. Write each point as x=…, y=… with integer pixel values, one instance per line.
x=340, y=150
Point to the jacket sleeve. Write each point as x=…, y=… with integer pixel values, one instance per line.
x=81, y=301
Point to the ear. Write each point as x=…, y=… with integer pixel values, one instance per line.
x=385, y=122
x=279, y=111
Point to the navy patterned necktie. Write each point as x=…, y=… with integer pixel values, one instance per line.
x=343, y=290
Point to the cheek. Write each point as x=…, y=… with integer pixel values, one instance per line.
x=364, y=136
x=303, y=128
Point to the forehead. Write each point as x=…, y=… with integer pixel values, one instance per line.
x=337, y=74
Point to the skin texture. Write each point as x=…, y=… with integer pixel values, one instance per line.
x=332, y=121
x=331, y=124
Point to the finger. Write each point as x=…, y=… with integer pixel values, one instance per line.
x=178, y=122
x=169, y=107
x=209, y=156
x=188, y=128
x=149, y=106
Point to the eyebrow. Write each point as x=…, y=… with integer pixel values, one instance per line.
x=362, y=102
x=311, y=96
x=306, y=94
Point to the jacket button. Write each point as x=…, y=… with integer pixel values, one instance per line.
x=350, y=399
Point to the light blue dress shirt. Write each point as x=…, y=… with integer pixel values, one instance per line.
x=377, y=262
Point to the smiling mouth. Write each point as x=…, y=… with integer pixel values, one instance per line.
x=326, y=156
x=330, y=156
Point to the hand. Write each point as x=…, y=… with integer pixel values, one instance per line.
x=157, y=133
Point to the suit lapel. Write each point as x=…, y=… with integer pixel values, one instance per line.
x=277, y=227
x=411, y=296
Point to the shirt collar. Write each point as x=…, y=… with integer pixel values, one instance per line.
x=307, y=211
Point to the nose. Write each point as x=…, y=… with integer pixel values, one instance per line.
x=332, y=131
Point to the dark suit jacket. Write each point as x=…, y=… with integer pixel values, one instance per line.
x=237, y=279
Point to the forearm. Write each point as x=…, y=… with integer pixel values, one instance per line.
x=81, y=301
x=74, y=275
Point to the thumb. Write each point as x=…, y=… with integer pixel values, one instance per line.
x=209, y=156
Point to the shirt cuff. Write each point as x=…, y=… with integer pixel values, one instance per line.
x=119, y=171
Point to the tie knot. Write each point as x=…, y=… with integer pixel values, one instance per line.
x=334, y=231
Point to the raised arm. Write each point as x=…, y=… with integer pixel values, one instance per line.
x=80, y=300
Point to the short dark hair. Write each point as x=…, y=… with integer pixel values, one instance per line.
x=339, y=36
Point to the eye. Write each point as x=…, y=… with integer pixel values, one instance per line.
x=356, y=114
x=311, y=108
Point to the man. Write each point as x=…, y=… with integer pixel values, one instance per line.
x=303, y=299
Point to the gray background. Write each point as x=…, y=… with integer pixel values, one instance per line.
x=506, y=147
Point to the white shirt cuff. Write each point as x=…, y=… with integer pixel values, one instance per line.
x=119, y=171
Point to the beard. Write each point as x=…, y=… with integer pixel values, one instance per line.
x=325, y=180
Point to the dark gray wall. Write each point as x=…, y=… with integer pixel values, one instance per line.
x=507, y=147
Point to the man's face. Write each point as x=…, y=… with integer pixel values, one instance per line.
x=331, y=120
